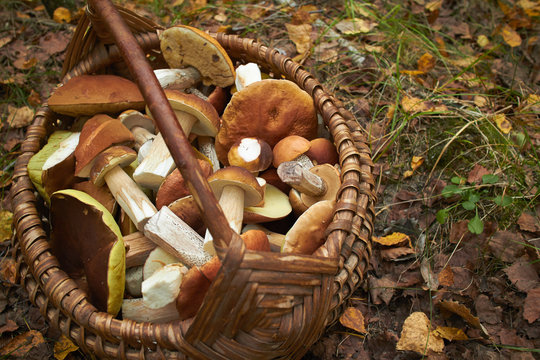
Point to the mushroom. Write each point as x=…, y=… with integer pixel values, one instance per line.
x=322, y=151
x=163, y=286
x=184, y=46
x=100, y=193
x=275, y=239
x=250, y=153
x=308, y=232
x=143, y=129
x=98, y=133
x=157, y=259
x=94, y=94
x=87, y=241
x=58, y=170
x=247, y=74
x=194, y=115
x=236, y=188
x=178, y=79
x=321, y=182
x=187, y=210
x=292, y=148
x=269, y=110
x=276, y=206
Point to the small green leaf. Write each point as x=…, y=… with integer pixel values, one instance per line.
x=502, y=201
x=474, y=197
x=451, y=190
x=458, y=180
x=442, y=216
x=490, y=179
x=468, y=205
x=476, y=225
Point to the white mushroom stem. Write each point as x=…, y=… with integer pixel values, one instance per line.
x=178, y=78
x=297, y=176
x=305, y=161
x=141, y=136
x=247, y=74
x=207, y=148
x=158, y=163
x=232, y=204
x=130, y=197
x=177, y=238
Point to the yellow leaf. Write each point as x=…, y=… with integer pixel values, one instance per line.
x=62, y=15
x=413, y=105
x=412, y=72
x=463, y=61
x=446, y=276
x=63, y=347
x=19, y=117
x=372, y=48
x=417, y=336
x=300, y=36
x=408, y=174
x=355, y=26
x=502, y=123
x=462, y=311
x=353, y=319
x=426, y=62
x=450, y=333
x=482, y=41
x=434, y=5
x=531, y=8
x=6, y=217
x=20, y=345
x=510, y=36
x=393, y=239
x=416, y=162
x=480, y=101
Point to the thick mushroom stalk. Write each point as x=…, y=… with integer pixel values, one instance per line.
x=236, y=188
x=194, y=115
x=143, y=130
x=178, y=79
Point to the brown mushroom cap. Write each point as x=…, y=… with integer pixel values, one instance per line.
x=86, y=240
x=186, y=209
x=98, y=133
x=237, y=176
x=268, y=109
x=322, y=151
x=108, y=159
x=184, y=46
x=331, y=178
x=100, y=193
x=289, y=148
x=93, y=94
x=250, y=153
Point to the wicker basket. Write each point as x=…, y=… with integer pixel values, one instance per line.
x=281, y=303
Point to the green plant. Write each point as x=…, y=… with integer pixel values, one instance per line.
x=470, y=197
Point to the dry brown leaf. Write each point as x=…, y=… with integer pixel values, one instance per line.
x=417, y=336
x=510, y=36
x=464, y=61
x=476, y=174
x=34, y=99
x=62, y=15
x=480, y=101
x=355, y=26
x=462, y=311
x=353, y=319
x=523, y=275
x=63, y=347
x=20, y=345
x=8, y=271
x=9, y=326
x=450, y=333
x=393, y=239
x=531, y=308
x=502, y=123
x=446, y=276
x=381, y=289
x=5, y=40
x=53, y=43
x=441, y=45
x=528, y=222
x=416, y=162
x=300, y=36
x=19, y=117
x=396, y=253
x=22, y=63
x=426, y=62
x=6, y=218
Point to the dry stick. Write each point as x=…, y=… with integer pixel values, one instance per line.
x=165, y=118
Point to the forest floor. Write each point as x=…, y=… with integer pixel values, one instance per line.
x=447, y=93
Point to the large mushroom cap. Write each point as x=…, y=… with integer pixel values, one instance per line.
x=86, y=237
x=289, y=148
x=268, y=109
x=237, y=176
x=184, y=46
x=93, y=94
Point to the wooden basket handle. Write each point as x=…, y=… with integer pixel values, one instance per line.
x=165, y=119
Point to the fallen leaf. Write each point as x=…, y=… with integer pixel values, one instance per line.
x=523, y=275
x=480, y=101
x=462, y=311
x=220, y=17
x=19, y=117
x=486, y=311
x=510, y=36
x=20, y=345
x=62, y=15
x=5, y=40
x=464, y=61
x=195, y=5
x=450, y=333
x=441, y=45
x=412, y=72
x=6, y=219
x=476, y=174
x=532, y=103
x=63, y=347
x=502, y=123
x=353, y=319
x=531, y=8
x=355, y=26
x=22, y=15
x=34, y=99
x=434, y=5
x=393, y=239
x=53, y=43
x=300, y=36
x=8, y=272
x=396, y=253
x=482, y=41
x=381, y=289
x=506, y=245
x=9, y=326
x=531, y=308
x=426, y=63
x=417, y=336
x=413, y=105
x=528, y=222
x=416, y=162
x=446, y=276
x=22, y=63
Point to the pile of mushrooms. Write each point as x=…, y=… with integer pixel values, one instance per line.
x=123, y=221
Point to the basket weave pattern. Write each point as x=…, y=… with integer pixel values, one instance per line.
x=261, y=305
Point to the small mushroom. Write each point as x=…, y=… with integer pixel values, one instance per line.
x=292, y=148
x=247, y=74
x=250, y=153
x=322, y=151
x=87, y=241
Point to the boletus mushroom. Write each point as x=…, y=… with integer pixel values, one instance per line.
x=87, y=242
